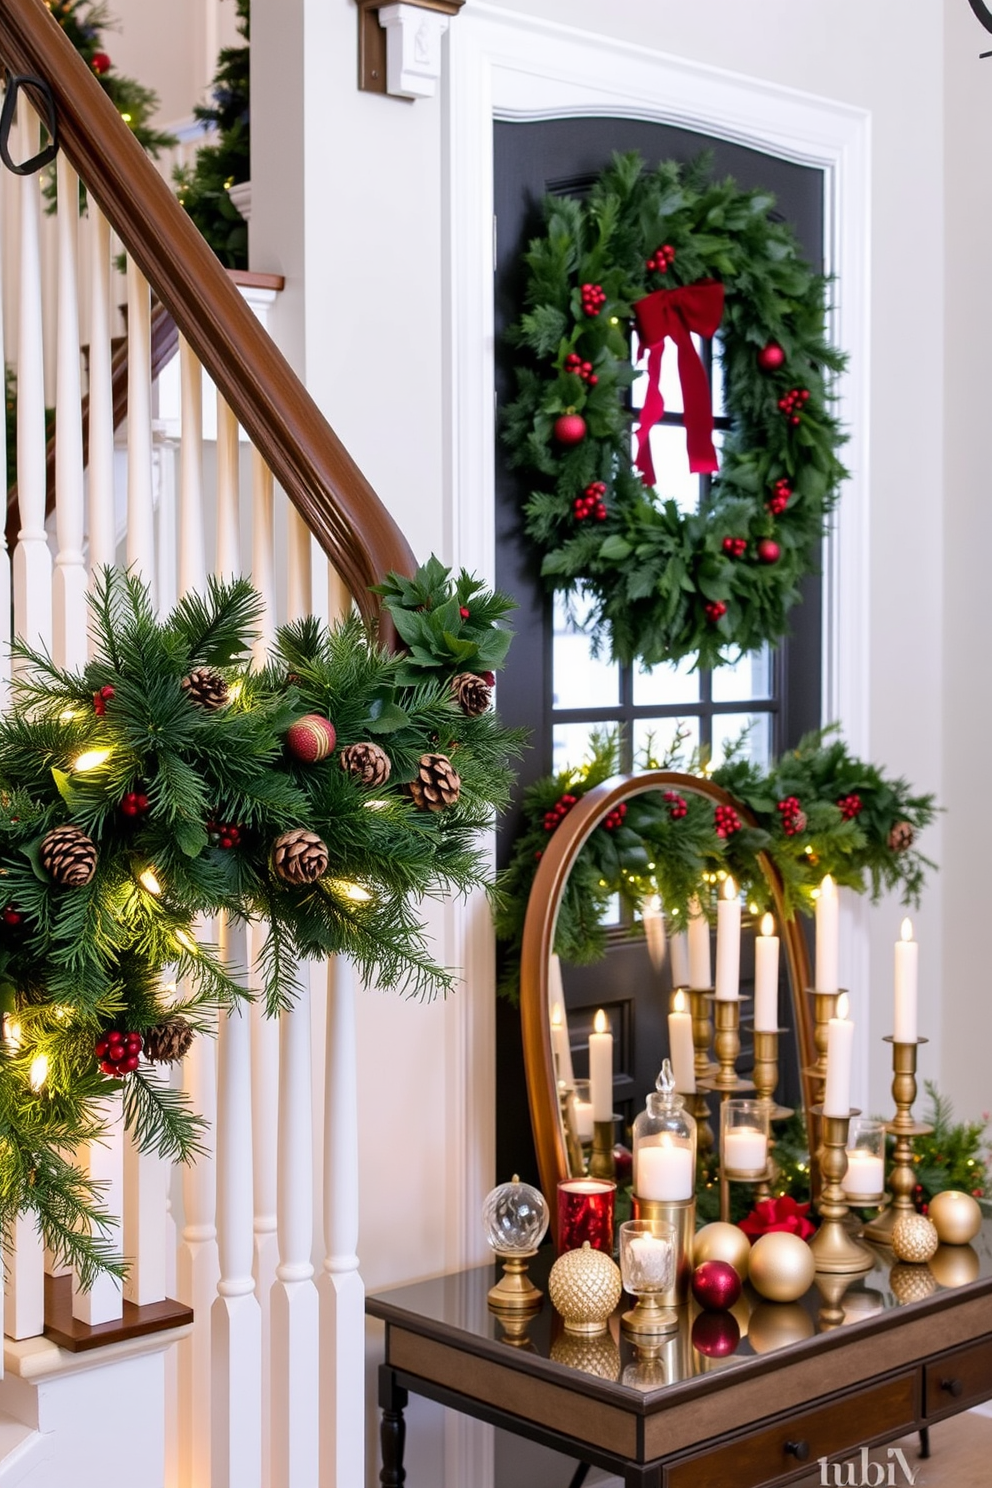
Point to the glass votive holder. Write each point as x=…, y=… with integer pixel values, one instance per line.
x=864, y=1181
x=647, y=1266
x=744, y=1132
x=585, y=1212
x=583, y=1112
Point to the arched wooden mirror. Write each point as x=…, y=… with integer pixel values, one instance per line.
x=549, y=884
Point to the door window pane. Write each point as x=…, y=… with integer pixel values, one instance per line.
x=581, y=680
x=751, y=677
x=727, y=729
x=666, y=685
x=655, y=735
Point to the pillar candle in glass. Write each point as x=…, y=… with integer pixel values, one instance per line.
x=744, y=1129
x=700, y=973
x=679, y=947
x=827, y=937
x=681, y=1045
x=865, y=1177
x=654, y=931
x=601, y=1068
x=840, y=1050
x=766, y=948
x=585, y=1212
x=665, y=1144
x=907, y=970
x=728, y=943
x=583, y=1111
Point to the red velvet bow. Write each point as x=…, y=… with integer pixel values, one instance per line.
x=778, y=1214
x=677, y=313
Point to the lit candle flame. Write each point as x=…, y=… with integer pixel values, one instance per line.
x=91, y=759
x=678, y=1003
x=842, y=1005
x=767, y=925
x=907, y=929
x=556, y=1015
x=730, y=889
x=827, y=885
x=600, y=1023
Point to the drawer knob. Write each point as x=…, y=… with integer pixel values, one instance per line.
x=953, y=1387
x=797, y=1449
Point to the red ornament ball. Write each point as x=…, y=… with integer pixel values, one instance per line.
x=716, y=1334
x=768, y=550
x=570, y=428
x=311, y=738
x=100, y=63
x=770, y=357
x=716, y=1285
x=12, y=916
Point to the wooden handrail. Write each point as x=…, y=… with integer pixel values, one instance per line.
x=306, y=457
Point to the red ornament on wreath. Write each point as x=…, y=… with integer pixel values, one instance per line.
x=793, y=816
x=100, y=63
x=779, y=499
x=615, y=818
x=677, y=807
x=570, y=428
x=771, y=357
x=135, y=803
x=311, y=738
x=768, y=550
x=716, y=1285
x=851, y=806
x=726, y=821
x=715, y=610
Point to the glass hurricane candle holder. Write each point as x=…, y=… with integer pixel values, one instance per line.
x=647, y=1265
x=665, y=1144
x=585, y=1213
x=583, y=1113
x=515, y=1218
x=744, y=1130
x=864, y=1181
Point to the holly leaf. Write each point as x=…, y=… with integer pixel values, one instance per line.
x=65, y=787
x=385, y=718
x=32, y=851
x=191, y=837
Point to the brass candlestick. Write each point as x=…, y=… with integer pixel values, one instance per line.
x=902, y=1178
x=702, y=1036
x=765, y=1085
x=602, y=1163
x=824, y=1008
x=727, y=1046
x=515, y=1293
x=834, y=1248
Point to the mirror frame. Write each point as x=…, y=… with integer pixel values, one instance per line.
x=541, y=920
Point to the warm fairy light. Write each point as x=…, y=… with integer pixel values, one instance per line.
x=599, y=1023
x=126, y=118
x=68, y=714
x=814, y=893
x=842, y=1005
x=808, y=851
x=148, y=880
x=376, y=805
x=92, y=759
x=356, y=892
x=39, y=1071
x=767, y=925
x=730, y=889
x=186, y=941
x=678, y=1003
x=236, y=689
x=753, y=908
x=12, y=1031
x=675, y=911
x=907, y=929
x=556, y=1015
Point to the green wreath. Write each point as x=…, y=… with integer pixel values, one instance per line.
x=664, y=584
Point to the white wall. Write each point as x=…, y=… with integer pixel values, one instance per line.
x=171, y=48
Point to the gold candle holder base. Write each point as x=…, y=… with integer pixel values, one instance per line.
x=765, y=1084
x=831, y=1288
x=834, y=1248
x=681, y=1215
x=602, y=1163
x=727, y=1046
x=515, y=1294
x=650, y=1316
x=704, y=1068
x=902, y=1177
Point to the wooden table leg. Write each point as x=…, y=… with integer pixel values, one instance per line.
x=392, y=1428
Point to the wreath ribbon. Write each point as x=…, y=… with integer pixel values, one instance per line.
x=676, y=313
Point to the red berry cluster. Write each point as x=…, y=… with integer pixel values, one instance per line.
x=735, y=547
x=223, y=834
x=850, y=806
x=715, y=610
x=101, y=699
x=135, y=803
x=591, y=503
x=615, y=817
x=661, y=258
x=489, y=678
x=574, y=363
x=677, y=807
x=558, y=812
x=593, y=298
x=12, y=916
x=793, y=816
x=118, y=1052
x=792, y=404
x=465, y=613
x=779, y=498
x=726, y=821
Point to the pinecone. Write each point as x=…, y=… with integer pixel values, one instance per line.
x=367, y=763
x=472, y=694
x=206, y=688
x=299, y=857
x=901, y=837
x=437, y=783
x=68, y=856
x=169, y=1041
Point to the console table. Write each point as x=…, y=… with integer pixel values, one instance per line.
x=817, y=1378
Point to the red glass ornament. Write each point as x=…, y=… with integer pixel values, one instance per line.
x=585, y=1212
x=623, y=1163
x=100, y=63
x=716, y=1285
x=770, y=357
x=769, y=550
x=570, y=428
x=716, y=1334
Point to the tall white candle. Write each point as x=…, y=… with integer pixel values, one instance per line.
x=907, y=971
x=654, y=931
x=840, y=1048
x=728, y=944
x=601, y=1068
x=561, y=1048
x=679, y=946
x=766, y=948
x=700, y=974
x=681, y=1047
x=663, y=1170
x=827, y=938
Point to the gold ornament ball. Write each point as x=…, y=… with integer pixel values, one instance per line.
x=911, y=1283
x=914, y=1238
x=775, y=1325
x=584, y=1286
x=955, y=1265
x=722, y=1242
x=597, y=1355
x=782, y=1266
x=955, y=1216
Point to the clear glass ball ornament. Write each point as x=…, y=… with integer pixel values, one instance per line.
x=515, y=1218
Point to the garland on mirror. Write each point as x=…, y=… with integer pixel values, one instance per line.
x=325, y=793
x=816, y=810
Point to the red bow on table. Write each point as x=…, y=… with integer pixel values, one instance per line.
x=677, y=313
x=782, y=1213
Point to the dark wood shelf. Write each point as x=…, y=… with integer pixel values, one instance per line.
x=69, y=1333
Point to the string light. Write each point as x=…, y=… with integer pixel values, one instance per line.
x=356, y=892
x=12, y=1031
x=149, y=881
x=186, y=942
x=236, y=689
x=39, y=1072
x=90, y=759
x=68, y=714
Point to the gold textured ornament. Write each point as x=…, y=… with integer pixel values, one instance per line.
x=722, y=1242
x=584, y=1286
x=914, y=1238
x=775, y=1325
x=597, y=1355
x=782, y=1266
x=955, y=1216
x=911, y=1283
x=955, y=1265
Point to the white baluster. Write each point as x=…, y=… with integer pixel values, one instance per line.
x=192, y=559
x=32, y=559
x=265, y=1125
x=146, y=1182
x=342, y=1294
x=102, y=513
x=294, y=1322
x=5, y=595
x=299, y=586
x=198, y=1267
x=140, y=504
x=103, y=1161
x=24, y=1280
x=263, y=551
x=235, y=1318
x=69, y=588
x=165, y=457
x=228, y=500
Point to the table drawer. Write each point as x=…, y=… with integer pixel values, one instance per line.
x=771, y=1452
x=958, y=1379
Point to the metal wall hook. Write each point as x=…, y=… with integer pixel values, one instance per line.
x=12, y=83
